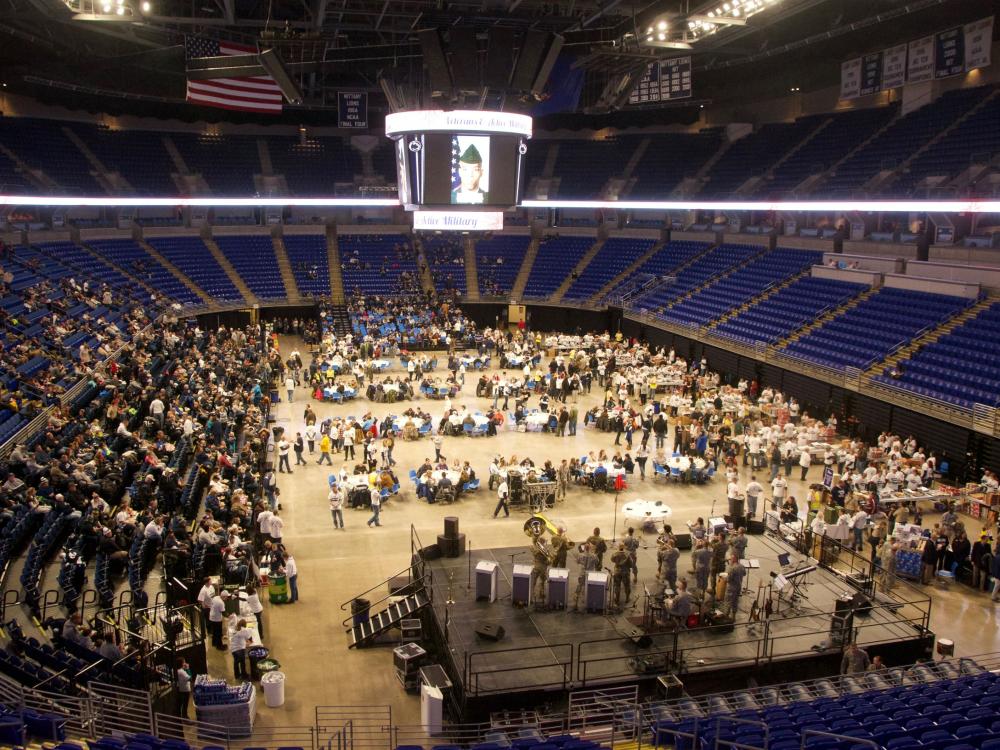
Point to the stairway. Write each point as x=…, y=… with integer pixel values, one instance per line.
x=471, y=271
x=337, y=291
x=817, y=180
x=577, y=270
x=127, y=272
x=525, y=273
x=825, y=318
x=112, y=182
x=175, y=155
x=758, y=298
x=931, y=336
x=36, y=177
x=550, y=160
x=264, y=153
x=725, y=274
x=606, y=289
x=633, y=162
x=769, y=174
x=883, y=184
x=234, y=277
x=387, y=618
x=285, y=267
x=180, y=275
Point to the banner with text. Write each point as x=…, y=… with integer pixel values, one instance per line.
x=850, y=78
x=949, y=53
x=871, y=73
x=894, y=67
x=978, y=41
x=352, y=109
x=920, y=60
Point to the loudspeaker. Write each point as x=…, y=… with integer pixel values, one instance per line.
x=464, y=59
x=683, y=541
x=554, y=47
x=499, y=57
x=451, y=526
x=533, y=47
x=861, y=604
x=755, y=527
x=843, y=604
x=437, y=65
x=451, y=547
x=641, y=641
x=491, y=631
x=431, y=552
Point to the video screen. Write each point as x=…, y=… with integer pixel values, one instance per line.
x=470, y=169
x=459, y=170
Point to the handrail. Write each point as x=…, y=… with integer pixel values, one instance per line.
x=407, y=570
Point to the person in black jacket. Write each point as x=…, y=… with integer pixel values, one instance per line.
x=929, y=559
x=980, y=572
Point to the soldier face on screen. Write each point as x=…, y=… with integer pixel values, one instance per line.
x=470, y=175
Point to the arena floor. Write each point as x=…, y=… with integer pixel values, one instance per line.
x=334, y=566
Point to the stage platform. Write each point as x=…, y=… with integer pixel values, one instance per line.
x=545, y=650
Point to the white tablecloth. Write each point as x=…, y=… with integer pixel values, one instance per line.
x=400, y=422
x=348, y=392
x=438, y=474
x=653, y=510
x=380, y=364
x=610, y=467
x=683, y=463
x=539, y=418
x=357, y=480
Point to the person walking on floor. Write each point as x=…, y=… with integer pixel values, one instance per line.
x=376, y=507
x=336, y=498
x=502, y=495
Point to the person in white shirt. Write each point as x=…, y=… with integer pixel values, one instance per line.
x=292, y=571
x=156, y=410
x=183, y=673
x=502, y=494
x=859, y=522
x=805, y=459
x=154, y=529
x=277, y=525
x=216, y=614
x=376, y=501
x=336, y=498
x=290, y=387
x=239, y=640
x=754, y=488
x=778, y=488
x=283, y=448
x=205, y=594
x=264, y=524
x=256, y=608
x=311, y=434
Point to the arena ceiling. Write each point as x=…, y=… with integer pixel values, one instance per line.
x=128, y=55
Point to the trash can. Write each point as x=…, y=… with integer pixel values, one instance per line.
x=273, y=684
x=267, y=665
x=278, y=589
x=359, y=609
x=256, y=654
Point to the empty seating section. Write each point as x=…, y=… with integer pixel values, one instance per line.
x=196, y=262
x=556, y=258
x=712, y=263
x=671, y=157
x=743, y=285
x=615, y=255
x=81, y=260
x=962, y=367
x=831, y=144
x=663, y=262
x=11, y=179
x=308, y=257
x=876, y=326
x=753, y=154
x=897, y=143
x=788, y=309
x=374, y=263
x=584, y=166
x=128, y=254
x=936, y=706
x=226, y=162
x=42, y=144
x=384, y=160
x=314, y=167
x=498, y=261
x=252, y=255
x=534, y=160
x=975, y=140
x=138, y=155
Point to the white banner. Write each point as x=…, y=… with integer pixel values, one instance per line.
x=978, y=40
x=458, y=221
x=457, y=121
x=850, y=78
x=894, y=67
x=920, y=60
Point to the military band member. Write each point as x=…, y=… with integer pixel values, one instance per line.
x=623, y=575
x=586, y=561
x=632, y=547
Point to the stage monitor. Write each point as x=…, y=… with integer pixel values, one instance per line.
x=464, y=160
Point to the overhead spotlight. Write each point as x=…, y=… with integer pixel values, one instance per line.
x=662, y=25
x=726, y=7
x=121, y=10
x=106, y=7
x=691, y=24
x=711, y=14
x=146, y=7
x=649, y=30
x=649, y=37
x=736, y=11
x=662, y=37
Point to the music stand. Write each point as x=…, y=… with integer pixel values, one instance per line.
x=784, y=559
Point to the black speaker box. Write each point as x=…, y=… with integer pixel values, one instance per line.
x=451, y=526
x=640, y=639
x=464, y=58
x=755, y=527
x=533, y=48
x=862, y=605
x=431, y=552
x=491, y=631
x=499, y=57
x=683, y=541
x=554, y=47
x=438, y=73
x=451, y=547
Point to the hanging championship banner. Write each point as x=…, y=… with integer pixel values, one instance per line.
x=850, y=78
x=978, y=40
x=920, y=60
x=949, y=52
x=894, y=67
x=871, y=73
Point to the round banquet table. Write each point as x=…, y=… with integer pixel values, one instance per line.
x=330, y=390
x=538, y=419
x=400, y=422
x=683, y=463
x=380, y=364
x=646, y=510
x=438, y=474
x=608, y=465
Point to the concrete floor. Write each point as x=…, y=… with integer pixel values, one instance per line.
x=334, y=566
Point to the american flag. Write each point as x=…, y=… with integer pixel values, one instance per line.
x=456, y=152
x=247, y=94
